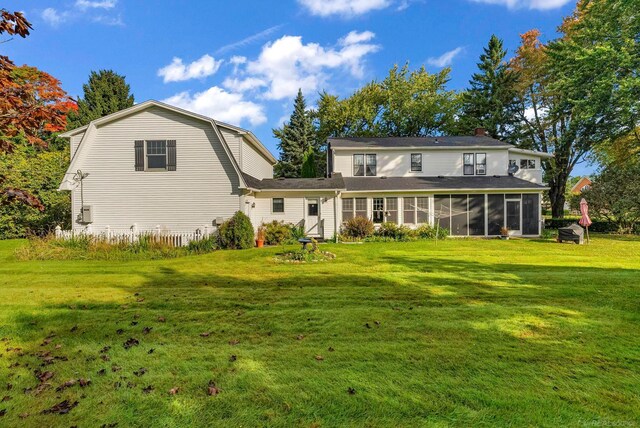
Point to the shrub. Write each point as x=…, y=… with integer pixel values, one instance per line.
x=597, y=225
x=277, y=232
x=358, y=227
x=237, y=232
x=204, y=245
x=297, y=232
x=427, y=231
x=394, y=232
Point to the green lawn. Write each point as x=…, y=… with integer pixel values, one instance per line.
x=465, y=333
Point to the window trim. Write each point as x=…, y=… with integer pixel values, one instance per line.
x=272, y=206
x=528, y=163
x=364, y=167
x=146, y=156
x=365, y=164
x=418, y=168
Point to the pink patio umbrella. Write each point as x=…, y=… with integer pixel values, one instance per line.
x=585, y=220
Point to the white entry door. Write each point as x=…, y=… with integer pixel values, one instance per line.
x=312, y=219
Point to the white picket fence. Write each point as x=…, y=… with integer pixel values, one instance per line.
x=129, y=236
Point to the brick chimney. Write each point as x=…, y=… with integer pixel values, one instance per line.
x=480, y=132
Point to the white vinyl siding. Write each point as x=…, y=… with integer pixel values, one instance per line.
x=397, y=163
x=205, y=185
x=254, y=163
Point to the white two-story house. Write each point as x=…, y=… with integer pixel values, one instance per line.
x=157, y=167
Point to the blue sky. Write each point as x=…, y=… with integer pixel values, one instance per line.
x=242, y=61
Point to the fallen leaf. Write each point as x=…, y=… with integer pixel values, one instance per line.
x=119, y=331
x=102, y=372
x=212, y=389
x=147, y=389
x=174, y=391
x=58, y=346
x=115, y=368
x=9, y=386
x=134, y=322
x=330, y=349
x=140, y=300
x=367, y=325
x=161, y=319
x=23, y=415
x=61, y=408
x=6, y=398
x=105, y=357
x=44, y=376
x=233, y=358
x=300, y=336
x=150, y=351
x=105, y=349
x=319, y=358
x=147, y=330
x=66, y=385
x=351, y=391
x=131, y=342
x=377, y=322
x=140, y=371
x=205, y=334
x=234, y=342
x=84, y=382
x=3, y=412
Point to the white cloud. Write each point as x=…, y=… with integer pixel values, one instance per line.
x=346, y=8
x=104, y=4
x=287, y=64
x=446, y=59
x=527, y=4
x=53, y=17
x=221, y=105
x=109, y=20
x=177, y=71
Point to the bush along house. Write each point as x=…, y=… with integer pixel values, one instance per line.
x=155, y=167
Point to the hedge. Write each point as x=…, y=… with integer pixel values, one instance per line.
x=596, y=226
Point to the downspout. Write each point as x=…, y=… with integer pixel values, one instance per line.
x=335, y=215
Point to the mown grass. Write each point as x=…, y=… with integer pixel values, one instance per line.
x=462, y=332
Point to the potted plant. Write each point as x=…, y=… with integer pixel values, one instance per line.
x=504, y=233
x=260, y=237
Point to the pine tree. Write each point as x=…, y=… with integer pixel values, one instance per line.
x=105, y=93
x=297, y=140
x=491, y=100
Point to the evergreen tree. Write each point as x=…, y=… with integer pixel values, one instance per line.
x=309, y=169
x=105, y=93
x=297, y=140
x=491, y=101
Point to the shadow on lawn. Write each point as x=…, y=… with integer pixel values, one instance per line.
x=422, y=300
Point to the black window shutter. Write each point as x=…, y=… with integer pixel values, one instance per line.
x=171, y=155
x=139, y=149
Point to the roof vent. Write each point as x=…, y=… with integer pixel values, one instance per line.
x=436, y=141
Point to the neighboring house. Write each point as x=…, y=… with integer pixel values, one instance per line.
x=583, y=184
x=158, y=167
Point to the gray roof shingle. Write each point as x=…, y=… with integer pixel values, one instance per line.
x=416, y=142
x=334, y=183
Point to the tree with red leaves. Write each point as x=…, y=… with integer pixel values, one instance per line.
x=32, y=104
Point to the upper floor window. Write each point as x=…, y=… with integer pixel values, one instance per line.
x=474, y=164
x=527, y=164
x=155, y=155
x=481, y=164
x=364, y=165
x=416, y=162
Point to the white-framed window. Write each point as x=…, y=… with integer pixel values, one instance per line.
x=277, y=205
x=416, y=162
x=364, y=165
x=156, y=153
x=416, y=210
x=481, y=164
x=468, y=163
x=409, y=210
x=378, y=210
x=527, y=164
x=354, y=207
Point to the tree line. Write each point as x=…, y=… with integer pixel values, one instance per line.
x=577, y=96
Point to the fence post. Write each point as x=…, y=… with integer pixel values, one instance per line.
x=107, y=230
x=206, y=231
x=58, y=231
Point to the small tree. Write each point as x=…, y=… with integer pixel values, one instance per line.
x=106, y=92
x=615, y=195
x=237, y=232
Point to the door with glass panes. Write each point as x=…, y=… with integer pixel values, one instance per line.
x=312, y=217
